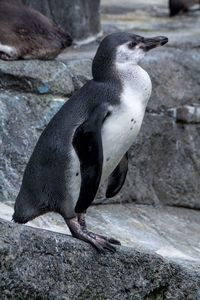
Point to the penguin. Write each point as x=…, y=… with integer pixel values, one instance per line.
x=27, y=34
x=87, y=141
x=178, y=6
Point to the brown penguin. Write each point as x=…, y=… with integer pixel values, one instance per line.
x=27, y=34
x=177, y=6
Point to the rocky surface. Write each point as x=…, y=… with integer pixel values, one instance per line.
x=44, y=77
x=23, y=116
x=37, y=264
x=80, y=18
x=155, y=229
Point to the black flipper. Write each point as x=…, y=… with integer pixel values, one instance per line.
x=88, y=145
x=117, y=178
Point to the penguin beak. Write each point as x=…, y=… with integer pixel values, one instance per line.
x=150, y=43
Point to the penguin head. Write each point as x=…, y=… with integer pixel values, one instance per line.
x=122, y=48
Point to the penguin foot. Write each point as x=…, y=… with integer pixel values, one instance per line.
x=82, y=222
x=108, y=239
x=99, y=242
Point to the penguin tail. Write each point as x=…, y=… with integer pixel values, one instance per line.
x=17, y=218
x=24, y=210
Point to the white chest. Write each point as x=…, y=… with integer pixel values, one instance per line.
x=122, y=127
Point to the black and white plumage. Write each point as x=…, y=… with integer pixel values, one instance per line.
x=87, y=141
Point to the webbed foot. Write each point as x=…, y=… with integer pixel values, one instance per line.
x=79, y=230
x=82, y=222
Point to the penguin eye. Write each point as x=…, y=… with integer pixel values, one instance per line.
x=131, y=45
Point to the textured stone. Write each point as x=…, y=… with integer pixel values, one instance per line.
x=31, y=92
x=44, y=77
x=156, y=229
x=79, y=17
x=165, y=163
x=37, y=264
x=174, y=73
x=23, y=117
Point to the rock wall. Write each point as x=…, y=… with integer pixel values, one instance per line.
x=164, y=162
x=37, y=264
x=80, y=18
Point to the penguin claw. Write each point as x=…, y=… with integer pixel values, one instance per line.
x=114, y=241
x=109, y=239
x=81, y=220
x=102, y=237
x=100, y=242
x=101, y=245
x=110, y=247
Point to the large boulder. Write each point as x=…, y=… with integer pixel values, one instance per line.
x=79, y=17
x=44, y=77
x=174, y=73
x=37, y=264
x=153, y=228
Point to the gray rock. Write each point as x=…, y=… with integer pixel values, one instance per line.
x=23, y=117
x=44, y=265
x=145, y=226
x=44, y=77
x=31, y=92
x=80, y=18
x=174, y=73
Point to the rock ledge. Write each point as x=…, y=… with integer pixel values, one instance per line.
x=38, y=264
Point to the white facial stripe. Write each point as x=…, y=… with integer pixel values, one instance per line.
x=7, y=49
x=124, y=54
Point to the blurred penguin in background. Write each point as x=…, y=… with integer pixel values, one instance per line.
x=181, y=6
x=27, y=34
